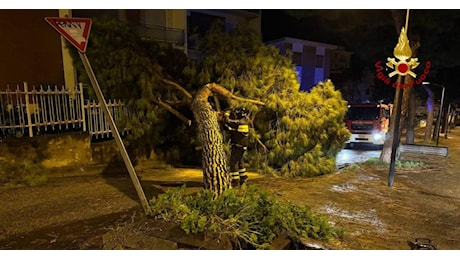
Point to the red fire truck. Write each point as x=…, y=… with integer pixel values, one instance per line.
x=368, y=123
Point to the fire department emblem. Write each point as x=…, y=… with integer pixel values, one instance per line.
x=403, y=63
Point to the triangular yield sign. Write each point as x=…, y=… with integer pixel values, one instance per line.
x=75, y=30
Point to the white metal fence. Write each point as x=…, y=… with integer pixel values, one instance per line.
x=98, y=125
x=50, y=109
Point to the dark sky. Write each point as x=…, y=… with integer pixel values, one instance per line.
x=277, y=24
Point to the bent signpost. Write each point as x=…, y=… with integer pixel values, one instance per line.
x=76, y=31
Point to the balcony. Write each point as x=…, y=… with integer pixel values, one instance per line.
x=161, y=34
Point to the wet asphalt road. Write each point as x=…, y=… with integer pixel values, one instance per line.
x=356, y=155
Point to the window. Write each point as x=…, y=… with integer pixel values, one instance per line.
x=297, y=58
x=319, y=61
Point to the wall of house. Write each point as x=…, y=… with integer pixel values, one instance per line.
x=156, y=17
x=308, y=67
x=30, y=49
x=313, y=61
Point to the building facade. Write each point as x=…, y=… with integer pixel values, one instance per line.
x=314, y=61
x=39, y=55
x=30, y=49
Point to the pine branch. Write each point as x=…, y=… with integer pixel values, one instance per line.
x=184, y=119
x=221, y=91
x=262, y=145
x=178, y=87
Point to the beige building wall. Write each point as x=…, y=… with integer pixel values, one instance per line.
x=176, y=19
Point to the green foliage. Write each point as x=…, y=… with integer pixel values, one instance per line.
x=132, y=70
x=409, y=164
x=252, y=216
x=303, y=131
x=374, y=161
x=24, y=173
x=398, y=163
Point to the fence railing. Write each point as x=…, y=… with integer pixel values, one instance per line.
x=98, y=124
x=50, y=109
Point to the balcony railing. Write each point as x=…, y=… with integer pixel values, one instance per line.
x=162, y=34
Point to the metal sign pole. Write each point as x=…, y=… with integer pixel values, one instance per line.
x=394, y=146
x=403, y=52
x=115, y=132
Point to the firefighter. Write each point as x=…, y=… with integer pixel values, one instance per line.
x=236, y=121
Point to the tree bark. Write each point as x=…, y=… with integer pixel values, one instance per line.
x=385, y=156
x=430, y=113
x=409, y=106
x=405, y=106
x=214, y=159
x=410, y=123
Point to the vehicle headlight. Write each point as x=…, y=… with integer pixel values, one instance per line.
x=378, y=136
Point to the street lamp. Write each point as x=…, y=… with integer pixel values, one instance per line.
x=438, y=121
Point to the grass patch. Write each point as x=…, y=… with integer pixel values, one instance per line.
x=249, y=215
x=24, y=173
x=401, y=164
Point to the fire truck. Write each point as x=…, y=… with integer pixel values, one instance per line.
x=368, y=123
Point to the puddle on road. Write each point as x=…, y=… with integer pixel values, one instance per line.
x=369, y=218
x=344, y=188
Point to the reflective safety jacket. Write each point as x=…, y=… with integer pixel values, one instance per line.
x=238, y=128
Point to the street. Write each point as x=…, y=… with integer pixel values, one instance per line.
x=357, y=155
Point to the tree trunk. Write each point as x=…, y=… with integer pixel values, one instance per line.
x=385, y=156
x=409, y=99
x=410, y=134
x=445, y=119
x=430, y=114
x=214, y=159
x=405, y=107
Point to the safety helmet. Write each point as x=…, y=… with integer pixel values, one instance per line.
x=241, y=112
